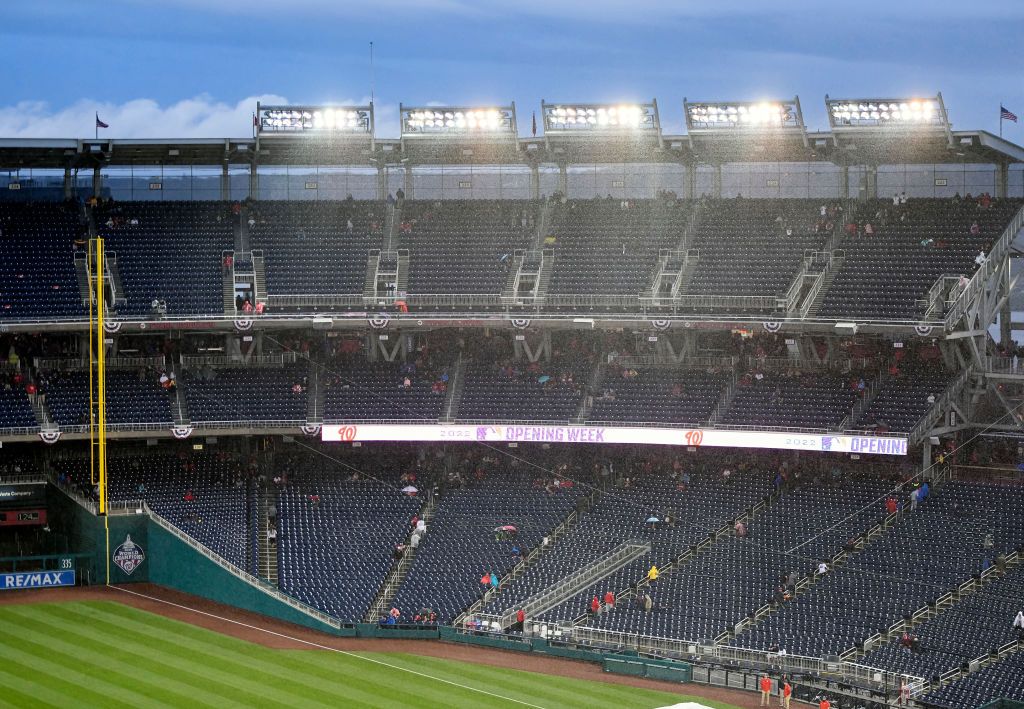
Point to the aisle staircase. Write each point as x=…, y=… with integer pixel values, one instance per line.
x=399, y=570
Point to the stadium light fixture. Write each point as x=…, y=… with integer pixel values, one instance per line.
x=569, y=118
x=743, y=116
x=437, y=121
x=906, y=113
x=356, y=120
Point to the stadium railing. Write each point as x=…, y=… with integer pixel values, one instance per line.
x=265, y=360
x=705, y=652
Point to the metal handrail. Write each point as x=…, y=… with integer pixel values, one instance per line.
x=263, y=360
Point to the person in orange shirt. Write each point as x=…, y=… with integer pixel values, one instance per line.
x=825, y=704
x=787, y=693
x=766, y=690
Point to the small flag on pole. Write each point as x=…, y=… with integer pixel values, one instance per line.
x=1006, y=114
x=535, y=124
x=99, y=123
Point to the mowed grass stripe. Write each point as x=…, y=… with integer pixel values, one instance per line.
x=146, y=663
x=67, y=681
x=104, y=680
x=423, y=691
x=29, y=692
x=353, y=673
x=512, y=683
x=206, y=658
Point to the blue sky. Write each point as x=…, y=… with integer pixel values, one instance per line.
x=194, y=68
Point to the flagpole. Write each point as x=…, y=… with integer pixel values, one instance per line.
x=373, y=77
x=96, y=124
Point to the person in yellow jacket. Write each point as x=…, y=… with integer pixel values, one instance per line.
x=652, y=575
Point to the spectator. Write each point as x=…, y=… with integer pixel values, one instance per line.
x=980, y=258
x=609, y=600
x=822, y=568
x=766, y=682
x=975, y=229
x=891, y=505
x=520, y=620
x=652, y=574
x=349, y=226
x=1018, y=625
x=260, y=307
x=189, y=496
x=595, y=606
x=787, y=693
x=824, y=703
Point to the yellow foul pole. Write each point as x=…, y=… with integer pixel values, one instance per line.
x=101, y=378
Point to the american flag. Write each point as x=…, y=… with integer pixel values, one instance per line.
x=1007, y=114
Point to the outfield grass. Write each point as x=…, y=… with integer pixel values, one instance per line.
x=102, y=654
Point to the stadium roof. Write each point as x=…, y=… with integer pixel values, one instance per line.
x=860, y=148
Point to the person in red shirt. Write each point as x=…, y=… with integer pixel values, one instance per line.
x=825, y=704
x=787, y=693
x=766, y=690
x=520, y=619
x=609, y=599
x=891, y=505
x=595, y=606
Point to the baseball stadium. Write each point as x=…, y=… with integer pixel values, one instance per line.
x=583, y=404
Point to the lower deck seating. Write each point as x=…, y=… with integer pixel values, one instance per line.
x=335, y=551
x=928, y=552
x=705, y=503
x=960, y=634
x=461, y=544
x=218, y=513
x=1001, y=680
x=711, y=593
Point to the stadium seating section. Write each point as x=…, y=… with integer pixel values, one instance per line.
x=216, y=516
x=257, y=394
x=37, y=272
x=132, y=397
x=604, y=247
x=919, y=241
x=744, y=249
x=308, y=248
x=156, y=242
x=335, y=553
x=463, y=247
x=927, y=553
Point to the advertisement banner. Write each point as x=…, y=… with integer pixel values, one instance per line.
x=36, y=579
x=710, y=437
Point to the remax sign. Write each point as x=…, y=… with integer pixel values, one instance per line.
x=36, y=579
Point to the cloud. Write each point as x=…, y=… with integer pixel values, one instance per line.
x=198, y=117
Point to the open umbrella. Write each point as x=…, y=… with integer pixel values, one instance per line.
x=410, y=490
x=543, y=379
x=652, y=520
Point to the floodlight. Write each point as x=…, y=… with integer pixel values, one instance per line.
x=600, y=118
x=458, y=120
x=907, y=113
x=732, y=116
x=314, y=119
